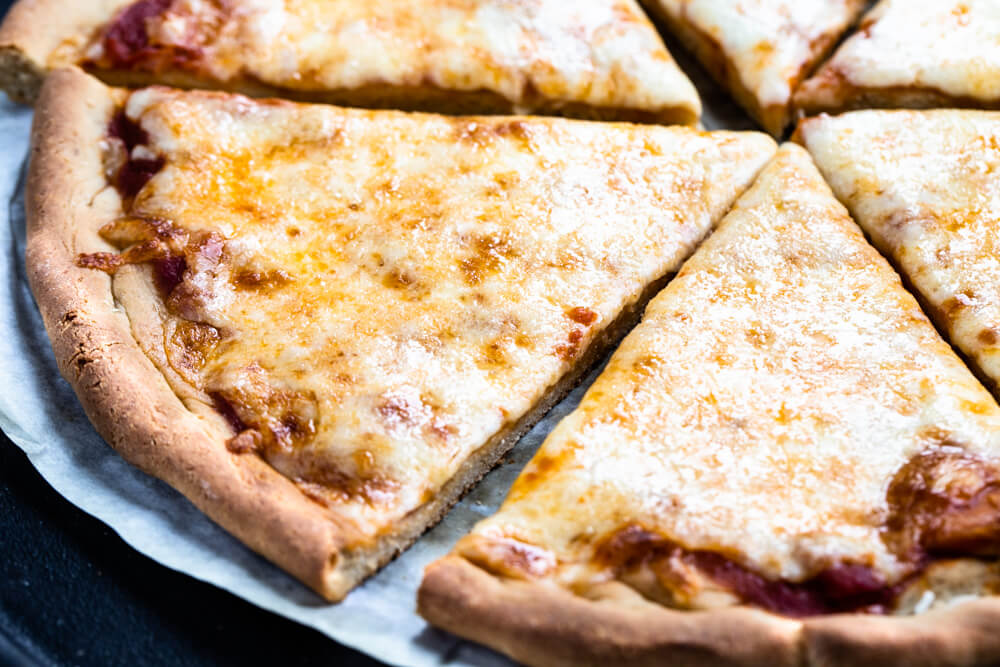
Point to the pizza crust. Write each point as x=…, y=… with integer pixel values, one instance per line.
x=125, y=396
x=175, y=436
x=542, y=624
x=876, y=67
x=39, y=36
x=32, y=32
x=829, y=91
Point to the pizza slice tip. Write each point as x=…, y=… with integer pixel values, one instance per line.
x=759, y=50
x=782, y=464
x=924, y=186
x=322, y=324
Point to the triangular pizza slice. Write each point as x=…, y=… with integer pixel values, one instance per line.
x=783, y=443
x=760, y=50
x=913, y=53
x=589, y=58
x=323, y=324
x=925, y=185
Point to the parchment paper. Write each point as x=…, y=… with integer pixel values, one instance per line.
x=40, y=413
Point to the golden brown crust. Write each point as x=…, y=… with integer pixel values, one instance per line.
x=542, y=624
x=39, y=35
x=128, y=400
x=962, y=635
x=132, y=404
x=830, y=92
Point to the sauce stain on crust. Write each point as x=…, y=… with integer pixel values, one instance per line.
x=842, y=587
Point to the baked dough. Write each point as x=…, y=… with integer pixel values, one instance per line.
x=590, y=58
x=760, y=50
x=323, y=324
x=925, y=186
x=913, y=53
x=784, y=441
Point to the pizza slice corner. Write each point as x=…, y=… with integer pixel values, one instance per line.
x=912, y=54
x=924, y=186
x=323, y=324
x=783, y=459
x=759, y=50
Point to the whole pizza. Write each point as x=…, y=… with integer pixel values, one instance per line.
x=323, y=324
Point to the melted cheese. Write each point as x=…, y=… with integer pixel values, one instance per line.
x=771, y=44
x=441, y=274
x=602, y=53
x=759, y=411
x=951, y=47
x=926, y=187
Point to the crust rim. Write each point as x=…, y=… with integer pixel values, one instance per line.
x=542, y=624
x=68, y=200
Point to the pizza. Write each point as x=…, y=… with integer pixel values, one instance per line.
x=925, y=186
x=322, y=325
x=760, y=50
x=913, y=53
x=783, y=464
x=595, y=59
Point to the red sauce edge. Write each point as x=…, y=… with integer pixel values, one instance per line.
x=225, y=408
x=168, y=272
x=125, y=39
x=135, y=173
x=840, y=588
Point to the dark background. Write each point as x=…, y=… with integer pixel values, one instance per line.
x=73, y=593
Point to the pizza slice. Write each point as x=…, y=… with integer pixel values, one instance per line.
x=594, y=59
x=760, y=50
x=913, y=53
x=781, y=454
x=925, y=186
x=322, y=324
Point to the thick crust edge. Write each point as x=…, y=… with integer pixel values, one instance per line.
x=125, y=396
x=830, y=91
x=542, y=624
x=131, y=403
x=33, y=32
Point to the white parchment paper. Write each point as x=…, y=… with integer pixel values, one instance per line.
x=40, y=413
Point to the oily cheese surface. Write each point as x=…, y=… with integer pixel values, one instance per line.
x=770, y=42
x=948, y=47
x=601, y=53
x=925, y=186
x=760, y=411
x=392, y=289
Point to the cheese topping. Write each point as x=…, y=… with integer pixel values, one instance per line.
x=772, y=44
x=369, y=297
x=785, y=428
x=946, y=46
x=926, y=187
x=601, y=53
